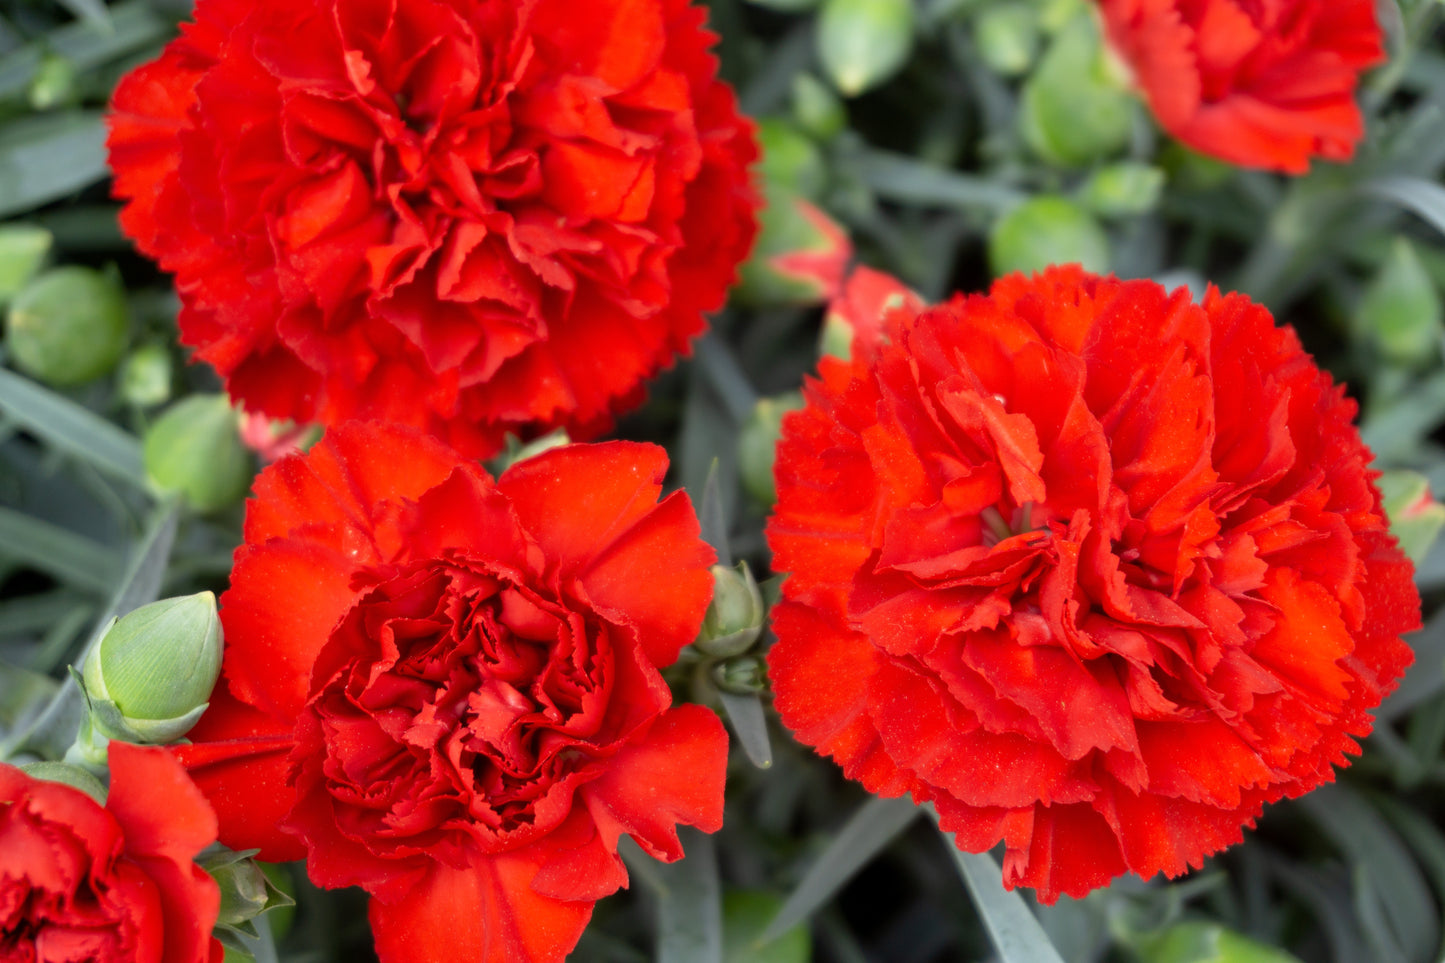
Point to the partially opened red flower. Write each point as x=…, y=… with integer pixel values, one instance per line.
x=1096, y=570
x=445, y=689
x=1260, y=83
x=471, y=216
x=110, y=884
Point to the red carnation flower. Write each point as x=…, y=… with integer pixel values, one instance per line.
x=471, y=216
x=112, y=885
x=444, y=688
x=1260, y=83
x=1096, y=570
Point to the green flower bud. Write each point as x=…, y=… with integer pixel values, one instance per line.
x=758, y=442
x=1006, y=37
x=68, y=326
x=863, y=43
x=816, y=108
x=195, y=449
x=734, y=618
x=1047, y=230
x=1123, y=190
x=1074, y=109
x=53, y=84
x=22, y=250
x=145, y=376
x=799, y=256
x=243, y=887
x=248, y=889
x=741, y=675
x=1415, y=516
x=790, y=159
x=150, y=677
x=1401, y=312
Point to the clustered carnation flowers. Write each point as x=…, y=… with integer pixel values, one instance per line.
x=1096, y=570
x=445, y=689
x=1261, y=83
x=113, y=883
x=471, y=216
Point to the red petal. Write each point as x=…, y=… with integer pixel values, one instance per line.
x=284, y=600
x=674, y=775
x=485, y=913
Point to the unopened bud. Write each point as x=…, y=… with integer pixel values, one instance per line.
x=734, y=618
x=1415, y=516
x=145, y=376
x=863, y=43
x=790, y=160
x=195, y=449
x=1074, y=110
x=23, y=249
x=1006, y=37
x=758, y=445
x=1401, y=312
x=1123, y=190
x=53, y=84
x=151, y=675
x=816, y=108
x=1047, y=230
x=68, y=326
x=799, y=257
x=741, y=675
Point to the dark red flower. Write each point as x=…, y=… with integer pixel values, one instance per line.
x=1260, y=83
x=112, y=885
x=1096, y=570
x=444, y=689
x=471, y=216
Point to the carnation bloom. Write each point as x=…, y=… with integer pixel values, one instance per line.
x=1260, y=83
x=112, y=884
x=471, y=216
x=1096, y=570
x=444, y=688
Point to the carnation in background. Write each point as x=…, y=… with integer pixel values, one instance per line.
x=445, y=689
x=113, y=883
x=1260, y=83
x=1096, y=570
x=470, y=216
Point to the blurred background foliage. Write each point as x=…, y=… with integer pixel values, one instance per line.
x=946, y=141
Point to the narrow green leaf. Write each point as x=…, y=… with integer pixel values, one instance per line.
x=35, y=613
x=1426, y=675
x=133, y=25
x=721, y=369
x=745, y=712
x=22, y=692
x=1384, y=865
x=1424, y=839
x=1413, y=193
x=72, y=428
x=53, y=730
x=896, y=177
x=867, y=833
x=1015, y=932
x=92, y=11
x=712, y=519
x=689, y=899
x=47, y=156
x=61, y=553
